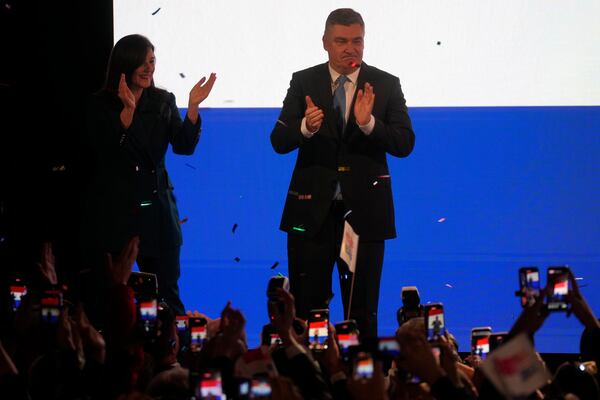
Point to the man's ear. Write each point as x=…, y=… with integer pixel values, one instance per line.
x=324, y=43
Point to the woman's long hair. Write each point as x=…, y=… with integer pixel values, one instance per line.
x=127, y=55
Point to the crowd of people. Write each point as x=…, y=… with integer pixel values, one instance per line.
x=50, y=350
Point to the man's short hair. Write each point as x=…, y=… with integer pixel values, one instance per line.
x=344, y=16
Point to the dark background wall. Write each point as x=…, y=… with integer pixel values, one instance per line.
x=53, y=54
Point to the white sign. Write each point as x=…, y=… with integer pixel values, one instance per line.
x=515, y=369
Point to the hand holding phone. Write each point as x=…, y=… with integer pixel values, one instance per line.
x=318, y=329
x=558, y=281
x=198, y=333
x=529, y=285
x=480, y=341
x=435, y=325
x=363, y=366
x=346, y=335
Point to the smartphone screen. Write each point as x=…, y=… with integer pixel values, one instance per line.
x=434, y=320
x=51, y=304
x=346, y=335
x=480, y=341
x=363, y=366
x=558, y=277
x=389, y=347
x=318, y=329
x=198, y=332
x=17, y=291
x=148, y=309
x=182, y=323
x=529, y=285
x=260, y=387
x=275, y=339
x=210, y=386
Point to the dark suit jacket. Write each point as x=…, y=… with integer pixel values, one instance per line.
x=354, y=159
x=131, y=193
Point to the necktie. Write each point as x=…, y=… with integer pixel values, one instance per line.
x=339, y=102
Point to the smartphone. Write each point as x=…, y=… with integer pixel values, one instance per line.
x=198, y=332
x=363, y=366
x=388, y=347
x=496, y=340
x=243, y=388
x=274, y=306
x=51, y=304
x=346, y=335
x=558, y=278
x=318, y=329
x=435, y=325
x=148, y=309
x=260, y=387
x=144, y=284
x=529, y=285
x=210, y=386
x=17, y=291
x=269, y=337
x=182, y=323
x=480, y=341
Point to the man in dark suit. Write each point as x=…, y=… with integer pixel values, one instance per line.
x=343, y=117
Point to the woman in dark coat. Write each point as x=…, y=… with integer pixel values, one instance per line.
x=130, y=124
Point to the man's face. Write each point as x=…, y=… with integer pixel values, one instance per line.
x=345, y=45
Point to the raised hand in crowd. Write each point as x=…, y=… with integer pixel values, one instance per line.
x=93, y=342
x=369, y=389
x=46, y=266
x=120, y=269
x=579, y=305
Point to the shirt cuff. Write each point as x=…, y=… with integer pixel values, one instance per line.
x=368, y=127
x=305, y=131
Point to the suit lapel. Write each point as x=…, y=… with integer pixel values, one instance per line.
x=325, y=99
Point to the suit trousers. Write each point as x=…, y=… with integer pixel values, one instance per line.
x=311, y=262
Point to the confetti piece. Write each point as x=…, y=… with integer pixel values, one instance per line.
x=183, y=221
x=441, y=219
x=237, y=259
x=234, y=228
x=190, y=165
x=145, y=203
x=275, y=265
x=305, y=197
x=181, y=74
x=282, y=123
x=347, y=213
x=8, y=6
x=578, y=279
x=154, y=13
x=375, y=183
x=343, y=169
x=449, y=286
x=59, y=168
x=383, y=177
x=299, y=229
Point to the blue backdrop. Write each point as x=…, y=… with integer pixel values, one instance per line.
x=486, y=190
